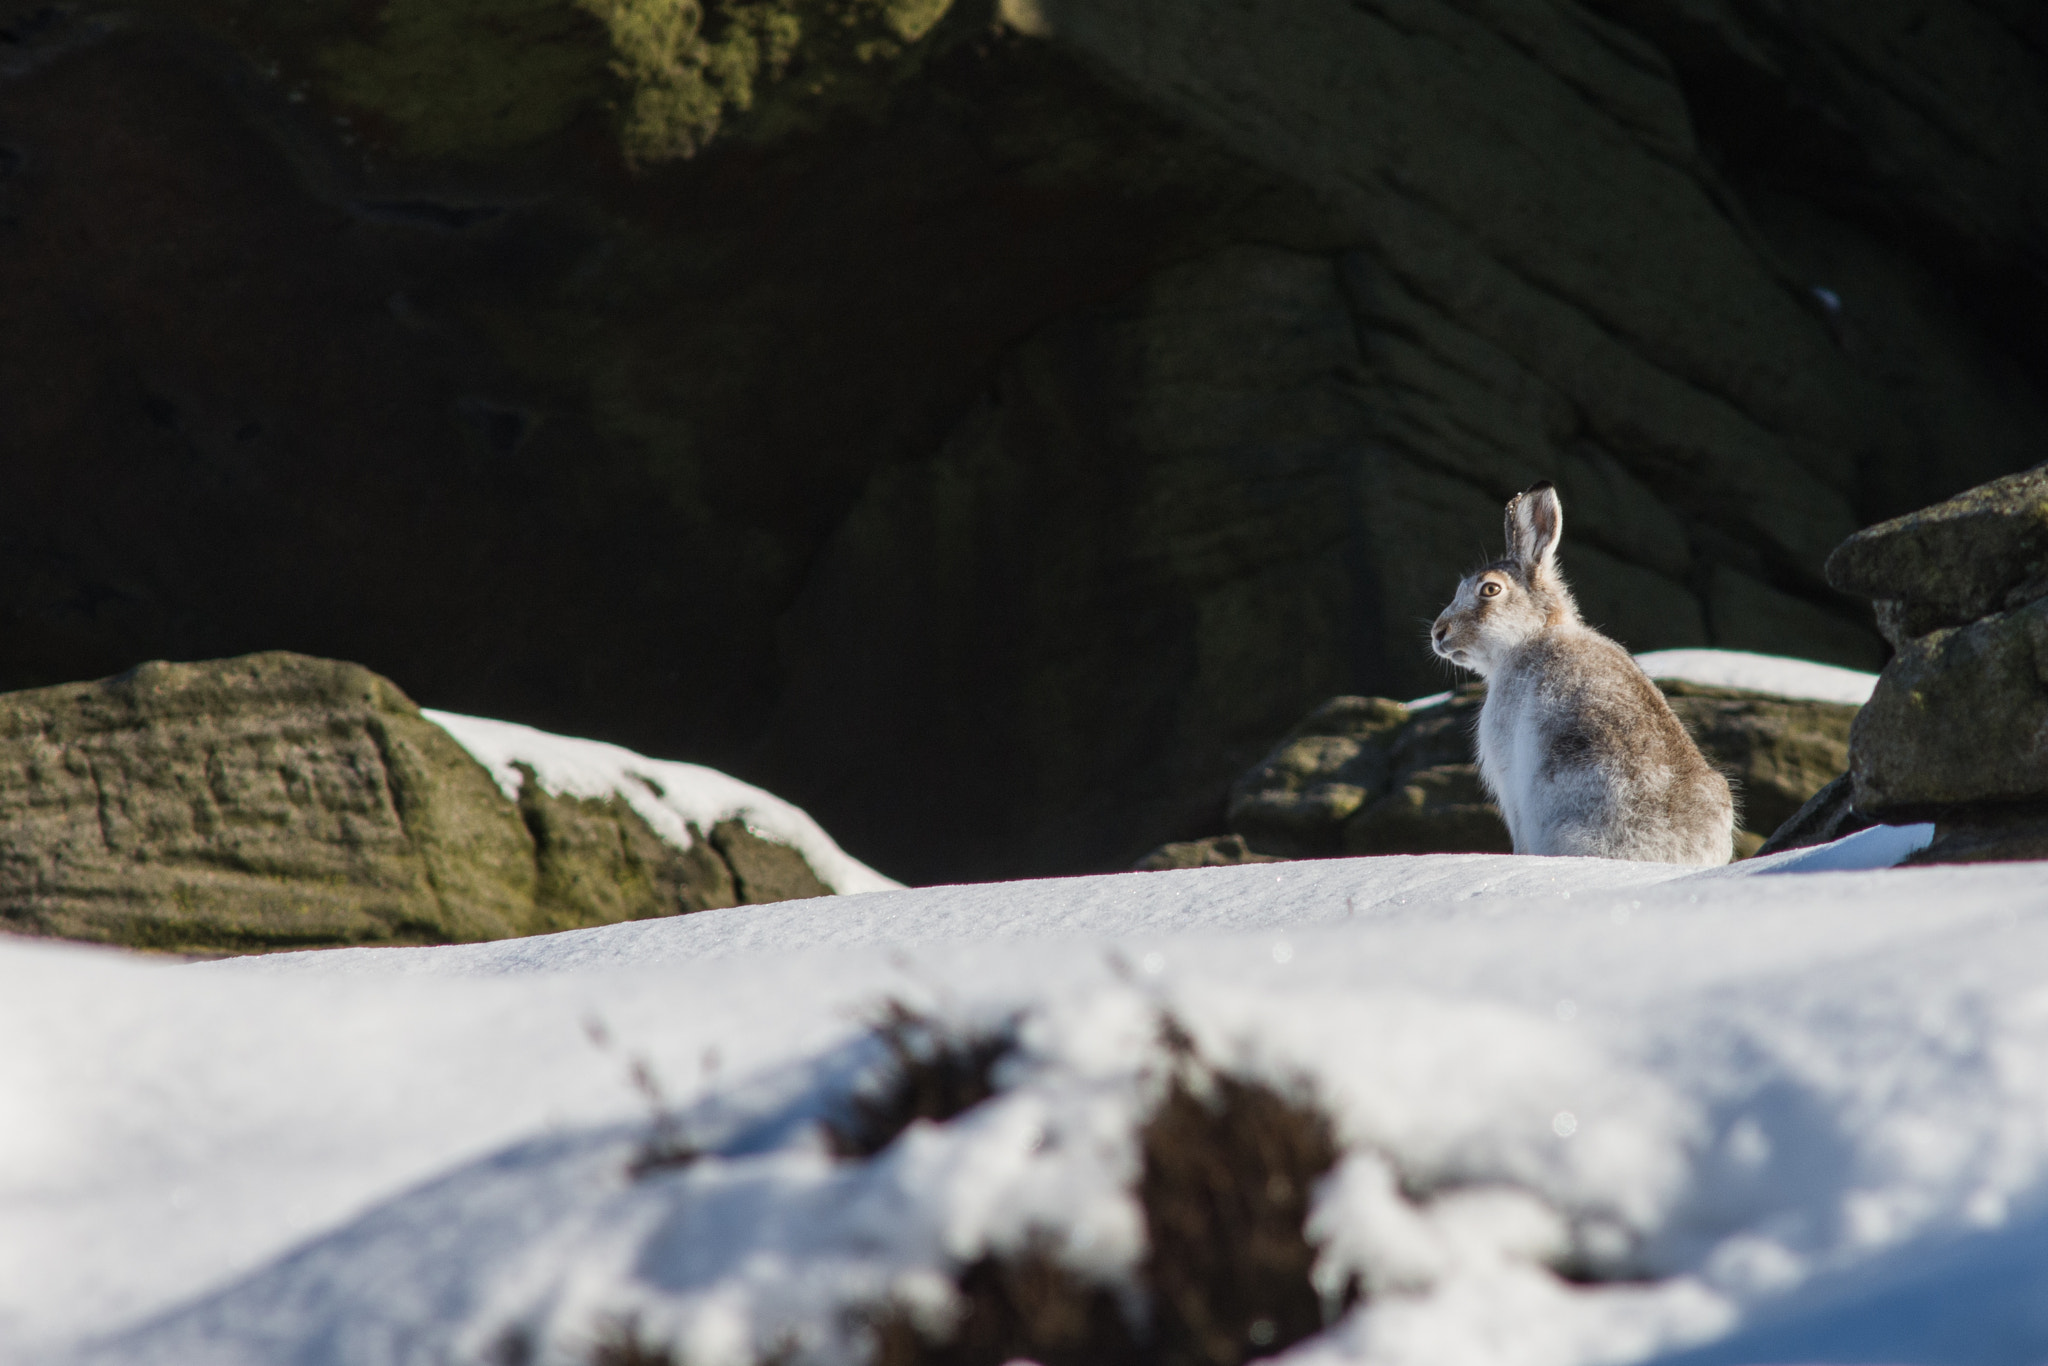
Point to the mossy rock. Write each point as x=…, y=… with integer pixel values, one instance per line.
x=1777, y=751
x=1217, y=851
x=763, y=870
x=1444, y=809
x=1958, y=718
x=1368, y=775
x=1318, y=776
x=597, y=861
x=479, y=80
x=279, y=801
x=1980, y=552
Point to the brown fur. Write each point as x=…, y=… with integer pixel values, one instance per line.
x=1577, y=745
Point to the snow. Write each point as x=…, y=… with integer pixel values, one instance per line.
x=1979, y=1297
x=1881, y=846
x=1761, y=673
x=675, y=799
x=1761, y=1095
x=1793, y=1110
x=1801, y=678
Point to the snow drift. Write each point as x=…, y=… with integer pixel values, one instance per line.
x=1710, y=1091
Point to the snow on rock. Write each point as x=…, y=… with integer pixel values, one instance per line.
x=1881, y=846
x=1761, y=673
x=671, y=797
x=1741, y=669
x=1736, y=1095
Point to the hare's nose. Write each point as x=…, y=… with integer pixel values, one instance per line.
x=1438, y=632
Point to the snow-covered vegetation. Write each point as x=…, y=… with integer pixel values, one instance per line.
x=1792, y=1110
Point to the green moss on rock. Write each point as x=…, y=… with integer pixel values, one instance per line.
x=689, y=67
x=1779, y=751
x=1983, y=550
x=763, y=870
x=277, y=801
x=597, y=861
x=272, y=801
x=1441, y=809
x=476, y=78
x=479, y=79
x=1319, y=775
x=1368, y=775
x=471, y=77
x=1959, y=718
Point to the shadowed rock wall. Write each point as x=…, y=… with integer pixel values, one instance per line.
x=1005, y=423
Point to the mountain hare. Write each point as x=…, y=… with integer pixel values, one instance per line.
x=1575, y=742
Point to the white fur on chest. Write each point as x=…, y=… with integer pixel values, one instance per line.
x=1509, y=747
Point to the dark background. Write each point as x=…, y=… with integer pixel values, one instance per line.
x=998, y=467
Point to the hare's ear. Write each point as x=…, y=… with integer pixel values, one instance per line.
x=1535, y=525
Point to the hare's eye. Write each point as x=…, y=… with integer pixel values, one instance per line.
x=1489, y=589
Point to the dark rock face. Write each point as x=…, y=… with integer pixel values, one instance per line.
x=992, y=452
x=1981, y=552
x=1957, y=729
x=278, y=801
x=1828, y=815
x=2006, y=833
x=1365, y=775
x=1959, y=716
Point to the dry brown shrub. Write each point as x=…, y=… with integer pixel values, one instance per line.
x=1230, y=1166
x=933, y=1074
x=1023, y=1306
x=619, y=1344
x=1229, y=1170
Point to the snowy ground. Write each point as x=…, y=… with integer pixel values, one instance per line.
x=1795, y=1110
